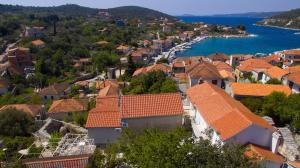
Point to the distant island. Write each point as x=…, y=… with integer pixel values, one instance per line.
x=247, y=15
x=290, y=19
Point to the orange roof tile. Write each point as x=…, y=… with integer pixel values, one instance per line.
x=224, y=114
x=292, y=52
x=135, y=106
x=276, y=72
x=218, y=57
x=222, y=66
x=57, y=88
x=103, y=120
x=38, y=42
x=294, y=77
x=102, y=84
x=30, y=109
x=123, y=47
x=110, y=90
x=156, y=67
x=68, y=105
x=204, y=70
x=294, y=69
x=296, y=164
x=260, y=153
x=274, y=57
x=227, y=75
x=108, y=103
x=258, y=90
x=252, y=64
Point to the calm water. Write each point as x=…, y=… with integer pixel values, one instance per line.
x=268, y=39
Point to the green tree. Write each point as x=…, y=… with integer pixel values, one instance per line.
x=15, y=123
x=274, y=81
x=253, y=104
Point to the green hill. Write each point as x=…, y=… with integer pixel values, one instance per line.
x=289, y=19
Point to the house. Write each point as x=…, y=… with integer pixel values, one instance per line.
x=222, y=66
x=293, y=81
x=72, y=161
x=273, y=73
x=110, y=90
x=142, y=55
x=4, y=86
x=273, y=59
x=63, y=109
x=35, y=111
x=156, y=67
x=179, y=65
x=292, y=164
x=136, y=112
x=218, y=57
x=221, y=119
x=252, y=68
x=291, y=56
x=267, y=158
x=255, y=90
x=34, y=32
x=38, y=43
x=204, y=71
x=102, y=84
x=55, y=91
x=123, y=49
x=234, y=60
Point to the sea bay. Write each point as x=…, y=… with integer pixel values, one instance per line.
x=268, y=39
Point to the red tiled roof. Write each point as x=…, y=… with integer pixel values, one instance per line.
x=162, y=67
x=294, y=77
x=292, y=52
x=31, y=109
x=252, y=64
x=222, y=66
x=218, y=56
x=38, y=42
x=110, y=90
x=103, y=120
x=135, y=106
x=103, y=84
x=68, y=105
x=294, y=69
x=224, y=114
x=273, y=57
x=296, y=164
x=258, y=90
x=259, y=153
x=57, y=88
x=204, y=70
x=276, y=72
x=78, y=161
x=108, y=103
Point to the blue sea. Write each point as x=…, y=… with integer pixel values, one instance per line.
x=268, y=39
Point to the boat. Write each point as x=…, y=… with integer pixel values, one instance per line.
x=298, y=33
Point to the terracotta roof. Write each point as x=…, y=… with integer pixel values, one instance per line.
x=156, y=67
x=259, y=153
x=68, y=105
x=108, y=103
x=178, y=64
x=135, y=106
x=4, y=83
x=274, y=57
x=242, y=56
x=258, y=90
x=38, y=42
x=293, y=69
x=222, y=66
x=123, y=47
x=218, y=57
x=227, y=75
x=294, y=77
x=292, y=52
x=54, y=89
x=102, y=42
x=188, y=60
x=225, y=115
x=75, y=161
x=181, y=76
x=110, y=90
x=102, y=84
x=296, y=164
x=103, y=120
x=276, y=72
x=204, y=70
x=31, y=109
x=252, y=64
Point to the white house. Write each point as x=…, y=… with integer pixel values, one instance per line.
x=136, y=112
x=273, y=73
x=293, y=81
x=220, y=118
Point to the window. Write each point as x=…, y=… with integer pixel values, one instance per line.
x=52, y=97
x=291, y=84
x=45, y=97
x=215, y=82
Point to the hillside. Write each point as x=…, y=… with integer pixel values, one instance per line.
x=289, y=19
x=76, y=10
x=137, y=12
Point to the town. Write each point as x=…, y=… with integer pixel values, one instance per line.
x=99, y=90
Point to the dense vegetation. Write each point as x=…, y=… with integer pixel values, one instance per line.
x=152, y=82
x=283, y=109
x=175, y=148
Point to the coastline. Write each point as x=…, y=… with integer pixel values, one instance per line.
x=279, y=27
x=171, y=53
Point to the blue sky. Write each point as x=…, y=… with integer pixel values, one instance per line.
x=177, y=7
